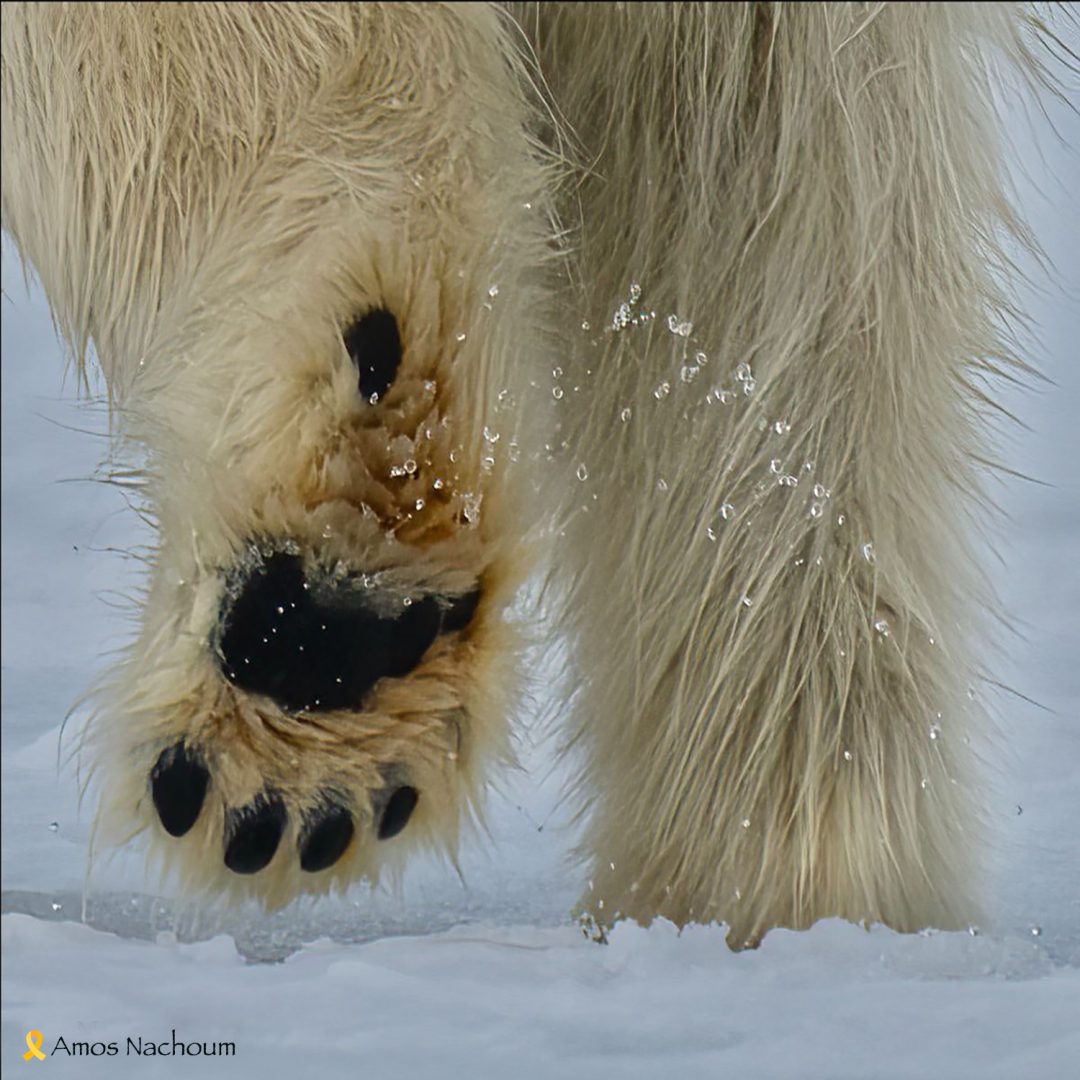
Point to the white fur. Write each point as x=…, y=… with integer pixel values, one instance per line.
x=752, y=485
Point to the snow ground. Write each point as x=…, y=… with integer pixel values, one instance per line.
x=494, y=979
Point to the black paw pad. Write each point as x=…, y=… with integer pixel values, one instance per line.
x=326, y=835
x=460, y=611
x=373, y=343
x=254, y=832
x=398, y=810
x=313, y=647
x=178, y=784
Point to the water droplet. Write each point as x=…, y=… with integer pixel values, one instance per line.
x=1036, y=931
x=54, y=826
x=935, y=732
x=971, y=693
x=662, y=391
x=410, y=466
x=746, y=601
x=847, y=755
x=461, y=336
x=841, y=519
x=406, y=601
x=661, y=484
x=490, y=436
x=882, y=627
x=471, y=508
x=625, y=415
x=419, y=504
x=821, y=491
x=816, y=510
x=1019, y=809
x=281, y=610
x=924, y=783
x=701, y=359
x=781, y=427
x=726, y=510
x=868, y=552
x=931, y=640
x=748, y=387
x=746, y=823
x=688, y=372
x=775, y=465
x=57, y=906
x=973, y=931
x=788, y=481
x=557, y=393
x=743, y=372
x=493, y=291
x=397, y=470
x=710, y=532
x=437, y=485
x=373, y=399
x=635, y=292
x=582, y=473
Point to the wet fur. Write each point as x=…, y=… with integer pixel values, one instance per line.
x=750, y=481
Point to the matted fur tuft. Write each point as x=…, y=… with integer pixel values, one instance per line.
x=700, y=303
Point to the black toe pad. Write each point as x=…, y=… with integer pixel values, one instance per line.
x=327, y=833
x=254, y=832
x=178, y=784
x=398, y=810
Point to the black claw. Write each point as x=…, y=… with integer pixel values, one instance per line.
x=327, y=834
x=397, y=812
x=460, y=612
x=178, y=784
x=254, y=833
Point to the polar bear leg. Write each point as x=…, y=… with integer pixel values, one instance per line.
x=303, y=241
x=788, y=225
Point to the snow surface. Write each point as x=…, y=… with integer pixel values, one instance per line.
x=492, y=978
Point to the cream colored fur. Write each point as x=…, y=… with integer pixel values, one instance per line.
x=698, y=302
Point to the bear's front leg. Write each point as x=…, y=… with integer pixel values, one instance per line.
x=788, y=226
x=301, y=241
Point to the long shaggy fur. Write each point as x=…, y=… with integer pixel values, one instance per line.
x=698, y=305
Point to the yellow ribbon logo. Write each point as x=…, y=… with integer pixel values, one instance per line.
x=33, y=1041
